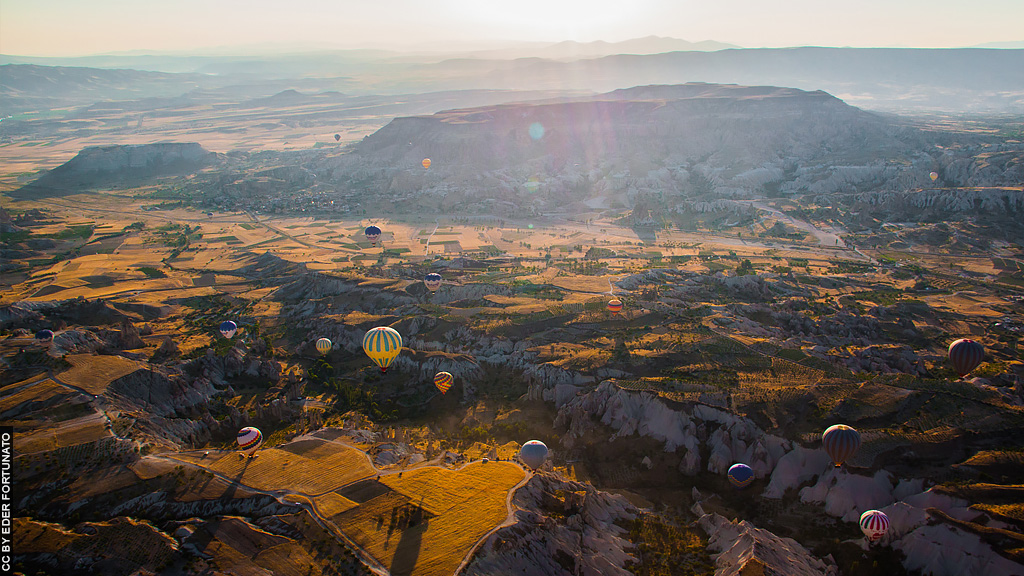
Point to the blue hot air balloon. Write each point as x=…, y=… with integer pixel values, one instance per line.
x=228, y=328
x=533, y=453
x=44, y=336
x=372, y=234
x=432, y=281
x=740, y=475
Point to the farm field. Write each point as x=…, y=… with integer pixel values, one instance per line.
x=430, y=517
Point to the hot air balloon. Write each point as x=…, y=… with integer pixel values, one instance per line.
x=382, y=344
x=337, y=137
x=934, y=176
x=965, y=355
x=533, y=453
x=841, y=442
x=228, y=328
x=740, y=475
x=372, y=234
x=44, y=336
x=874, y=524
x=443, y=381
x=615, y=306
x=433, y=281
x=426, y=162
x=323, y=345
x=249, y=439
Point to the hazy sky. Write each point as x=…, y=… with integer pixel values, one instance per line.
x=79, y=27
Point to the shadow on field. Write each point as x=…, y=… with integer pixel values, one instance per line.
x=407, y=552
x=232, y=488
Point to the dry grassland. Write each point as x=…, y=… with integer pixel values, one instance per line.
x=316, y=471
x=461, y=507
x=32, y=390
x=94, y=373
x=123, y=539
x=332, y=504
x=83, y=430
x=241, y=548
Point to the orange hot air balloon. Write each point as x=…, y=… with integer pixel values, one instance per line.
x=426, y=162
x=934, y=176
x=615, y=306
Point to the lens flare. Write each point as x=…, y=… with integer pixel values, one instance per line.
x=536, y=130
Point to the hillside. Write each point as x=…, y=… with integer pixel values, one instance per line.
x=692, y=141
x=119, y=165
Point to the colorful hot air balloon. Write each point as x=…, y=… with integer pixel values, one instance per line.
x=934, y=176
x=965, y=355
x=874, y=524
x=443, y=381
x=533, y=453
x=249, y=439
x=323, y=345
x=44, y=336
x=740, y=475
x=615, y=306
x=228, y=328
x=426, y=162
x=433, y=281
x=840, y=442
x=382, y=344
x=337, y=137
x=372, y=234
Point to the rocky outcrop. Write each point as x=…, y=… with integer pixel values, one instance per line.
x=743, y=549
x=133, y=163
x=728, y=437
x=583, y=538
x=160, y=391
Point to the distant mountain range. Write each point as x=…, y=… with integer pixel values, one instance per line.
x=902, y=79
x=570, y=50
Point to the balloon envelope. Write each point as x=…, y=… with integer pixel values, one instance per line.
x=337, y=137
x=249, y=439
x=614, y=306
x=740, y=475
x=443, y=381
x=874, y=524
x=228, y=328
x=934, y=176
x=323, y=345
x=433, y=281
x=372, y=234
x=426, y=162
x=966, y=355
x=533, y=453
x=382, y=344
x=840, y=442
x=44, y=335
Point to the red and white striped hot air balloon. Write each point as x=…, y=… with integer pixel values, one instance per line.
x=874, y=524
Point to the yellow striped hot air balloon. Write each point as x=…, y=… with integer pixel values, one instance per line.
x=382, y=344
x=324, y=345
x=443, y=381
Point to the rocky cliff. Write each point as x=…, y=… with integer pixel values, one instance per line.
x=120, y=165
x=562, y=528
